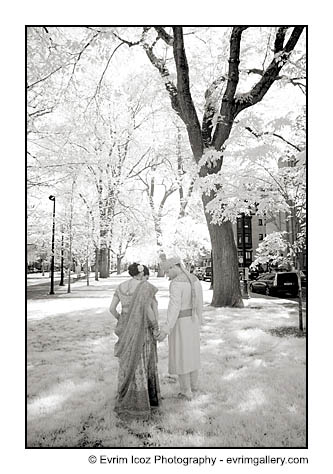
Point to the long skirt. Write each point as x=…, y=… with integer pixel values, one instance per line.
x=143, y=393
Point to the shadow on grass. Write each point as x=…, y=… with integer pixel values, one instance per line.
x=42, y=293
x=287, y=331
x=84, y=417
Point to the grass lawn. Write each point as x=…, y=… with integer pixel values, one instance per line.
x=252, y=380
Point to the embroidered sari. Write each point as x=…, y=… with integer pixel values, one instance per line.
x=138, y=384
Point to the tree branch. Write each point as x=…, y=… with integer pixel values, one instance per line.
x=188, y=112
x=145, y=183
x=103, y=73
x=129, y=43
x=281, y=56
x=167, y=193
x=129, y=174
x=210, y=110
x=82, y=51
x=29, y=86
x=258, y=135
x=41, y=112
x=184, y=202
x=279, y=38
x=168, y=39
x=295, y=81
x=164, y=72
x=227, y=113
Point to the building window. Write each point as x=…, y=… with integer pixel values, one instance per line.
x=259, y=221
x=247, y=231
x=261, y=236
x=291, y=162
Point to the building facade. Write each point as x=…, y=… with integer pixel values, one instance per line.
x=250, y=231
x=254, y=232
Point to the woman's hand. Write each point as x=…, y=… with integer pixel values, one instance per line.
x=114, y=312
x=156, y=333
x=113, y=306
x=162, y=336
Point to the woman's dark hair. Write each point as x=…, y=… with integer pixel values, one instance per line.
x=133, y=269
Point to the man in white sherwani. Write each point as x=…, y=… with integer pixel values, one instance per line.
x=182, y=326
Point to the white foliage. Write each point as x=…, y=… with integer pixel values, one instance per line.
x=271, y=250
x=209, y=158
x=127, y=116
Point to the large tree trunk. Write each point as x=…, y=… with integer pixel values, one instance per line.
x=96, y=263
x=103, y=269
x=226, y=288
x=109, y=261
x=160, y=267
x=119, y=259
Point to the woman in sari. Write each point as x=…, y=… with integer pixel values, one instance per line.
x=137, y=327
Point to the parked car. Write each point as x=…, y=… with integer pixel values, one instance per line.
x=207, y=274
x=303, y=278
x=280, y=283
x=33, y=270
x=198, y=272
x=253, y=274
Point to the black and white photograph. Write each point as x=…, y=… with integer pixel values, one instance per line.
x=166, y=238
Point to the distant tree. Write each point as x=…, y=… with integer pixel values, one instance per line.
x=272, y=251
x=125, y=234
x=191, y=239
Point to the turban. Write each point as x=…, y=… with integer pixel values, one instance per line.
x=170, y=262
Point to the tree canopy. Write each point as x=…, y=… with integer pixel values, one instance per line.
x=155, y=125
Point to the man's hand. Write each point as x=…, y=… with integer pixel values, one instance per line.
x=161, y=336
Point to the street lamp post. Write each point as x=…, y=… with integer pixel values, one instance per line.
x=62, y=259
x=88, y=243
x=245, y=290
x=52, y=198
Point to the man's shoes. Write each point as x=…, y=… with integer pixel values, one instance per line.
x=184, y=396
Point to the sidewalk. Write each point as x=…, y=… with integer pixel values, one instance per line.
x=258, y=300
x=78, y=284
x=103, y=289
